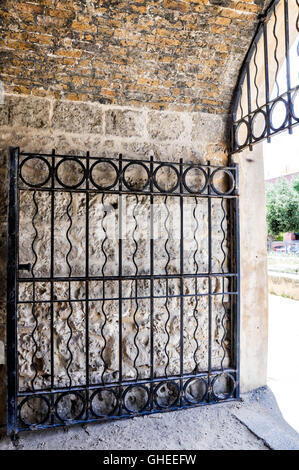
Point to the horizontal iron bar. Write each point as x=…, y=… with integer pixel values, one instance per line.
x=125, y=383
x=272, y=133
x=123, y=298
x=124, y=278
x=129, y=193
x=130, y=160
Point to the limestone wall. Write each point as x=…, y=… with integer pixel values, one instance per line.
x=37, y=124
x=284, y=284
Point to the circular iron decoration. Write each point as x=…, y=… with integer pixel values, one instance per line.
x=44, y=180
x=220, y=381
x=259, y=124
x=35, y=414
x=195, y=390
x=156, y=176
x=166, y=394
x=104, y=403
x=136, y=185
x=242, y=133
x=281, y=120
x=95, y=166
x=135, y=398
x=295, y=104
x=77, y=163
x=231, y=179
x=69, y=406
x=201, y=173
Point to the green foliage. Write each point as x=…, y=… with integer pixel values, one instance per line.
x=295, y=182
x=282, y=206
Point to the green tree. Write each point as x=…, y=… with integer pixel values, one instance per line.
x=295, y=182
x=282, y=206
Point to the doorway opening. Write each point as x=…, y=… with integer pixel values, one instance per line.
x=281, y=170
x=266, y=108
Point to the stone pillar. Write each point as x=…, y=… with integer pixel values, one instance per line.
x=253, y=260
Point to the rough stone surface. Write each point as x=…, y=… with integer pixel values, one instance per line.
x=127, y=123
x=28, y=113
x=77, y=118
x=166, y=127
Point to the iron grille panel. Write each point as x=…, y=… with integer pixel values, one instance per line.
x=52, y=321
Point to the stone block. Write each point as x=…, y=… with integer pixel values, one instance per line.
x=208, y=128
x=77, y=117
x=4, y=114
x=29, y=112
x=164, y=126
x=124, y=123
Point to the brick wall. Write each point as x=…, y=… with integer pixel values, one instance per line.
x=167, y=54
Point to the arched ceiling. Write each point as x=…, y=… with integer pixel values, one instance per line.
x=164, y=54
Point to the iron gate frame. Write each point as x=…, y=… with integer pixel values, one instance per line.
x=86, y=392
x=245, y=79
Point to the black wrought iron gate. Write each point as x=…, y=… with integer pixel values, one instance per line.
x=123, y=288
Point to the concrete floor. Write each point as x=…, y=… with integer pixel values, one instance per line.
x=283, y=356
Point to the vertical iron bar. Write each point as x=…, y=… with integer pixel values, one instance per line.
x=210, y=267
x=120, y=255
x=237, y=301
x=266, y=67
x=87, y=284
x=249, y=105
x=181, y=281
x=11, y=322
x=52, y=276
x=288, y=66
x=151, y=280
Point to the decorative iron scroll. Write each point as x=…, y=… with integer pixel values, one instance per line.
x=123, y=288
x=266, y=99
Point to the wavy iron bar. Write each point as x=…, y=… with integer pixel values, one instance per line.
x=223, y=290
x=195, y=311
x=33, y=293
x=275, y=51
x=136, y=287
x=103, y=302
x=167, y=290
x=69, y=291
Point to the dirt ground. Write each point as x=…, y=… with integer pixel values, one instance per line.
x=204, y=428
